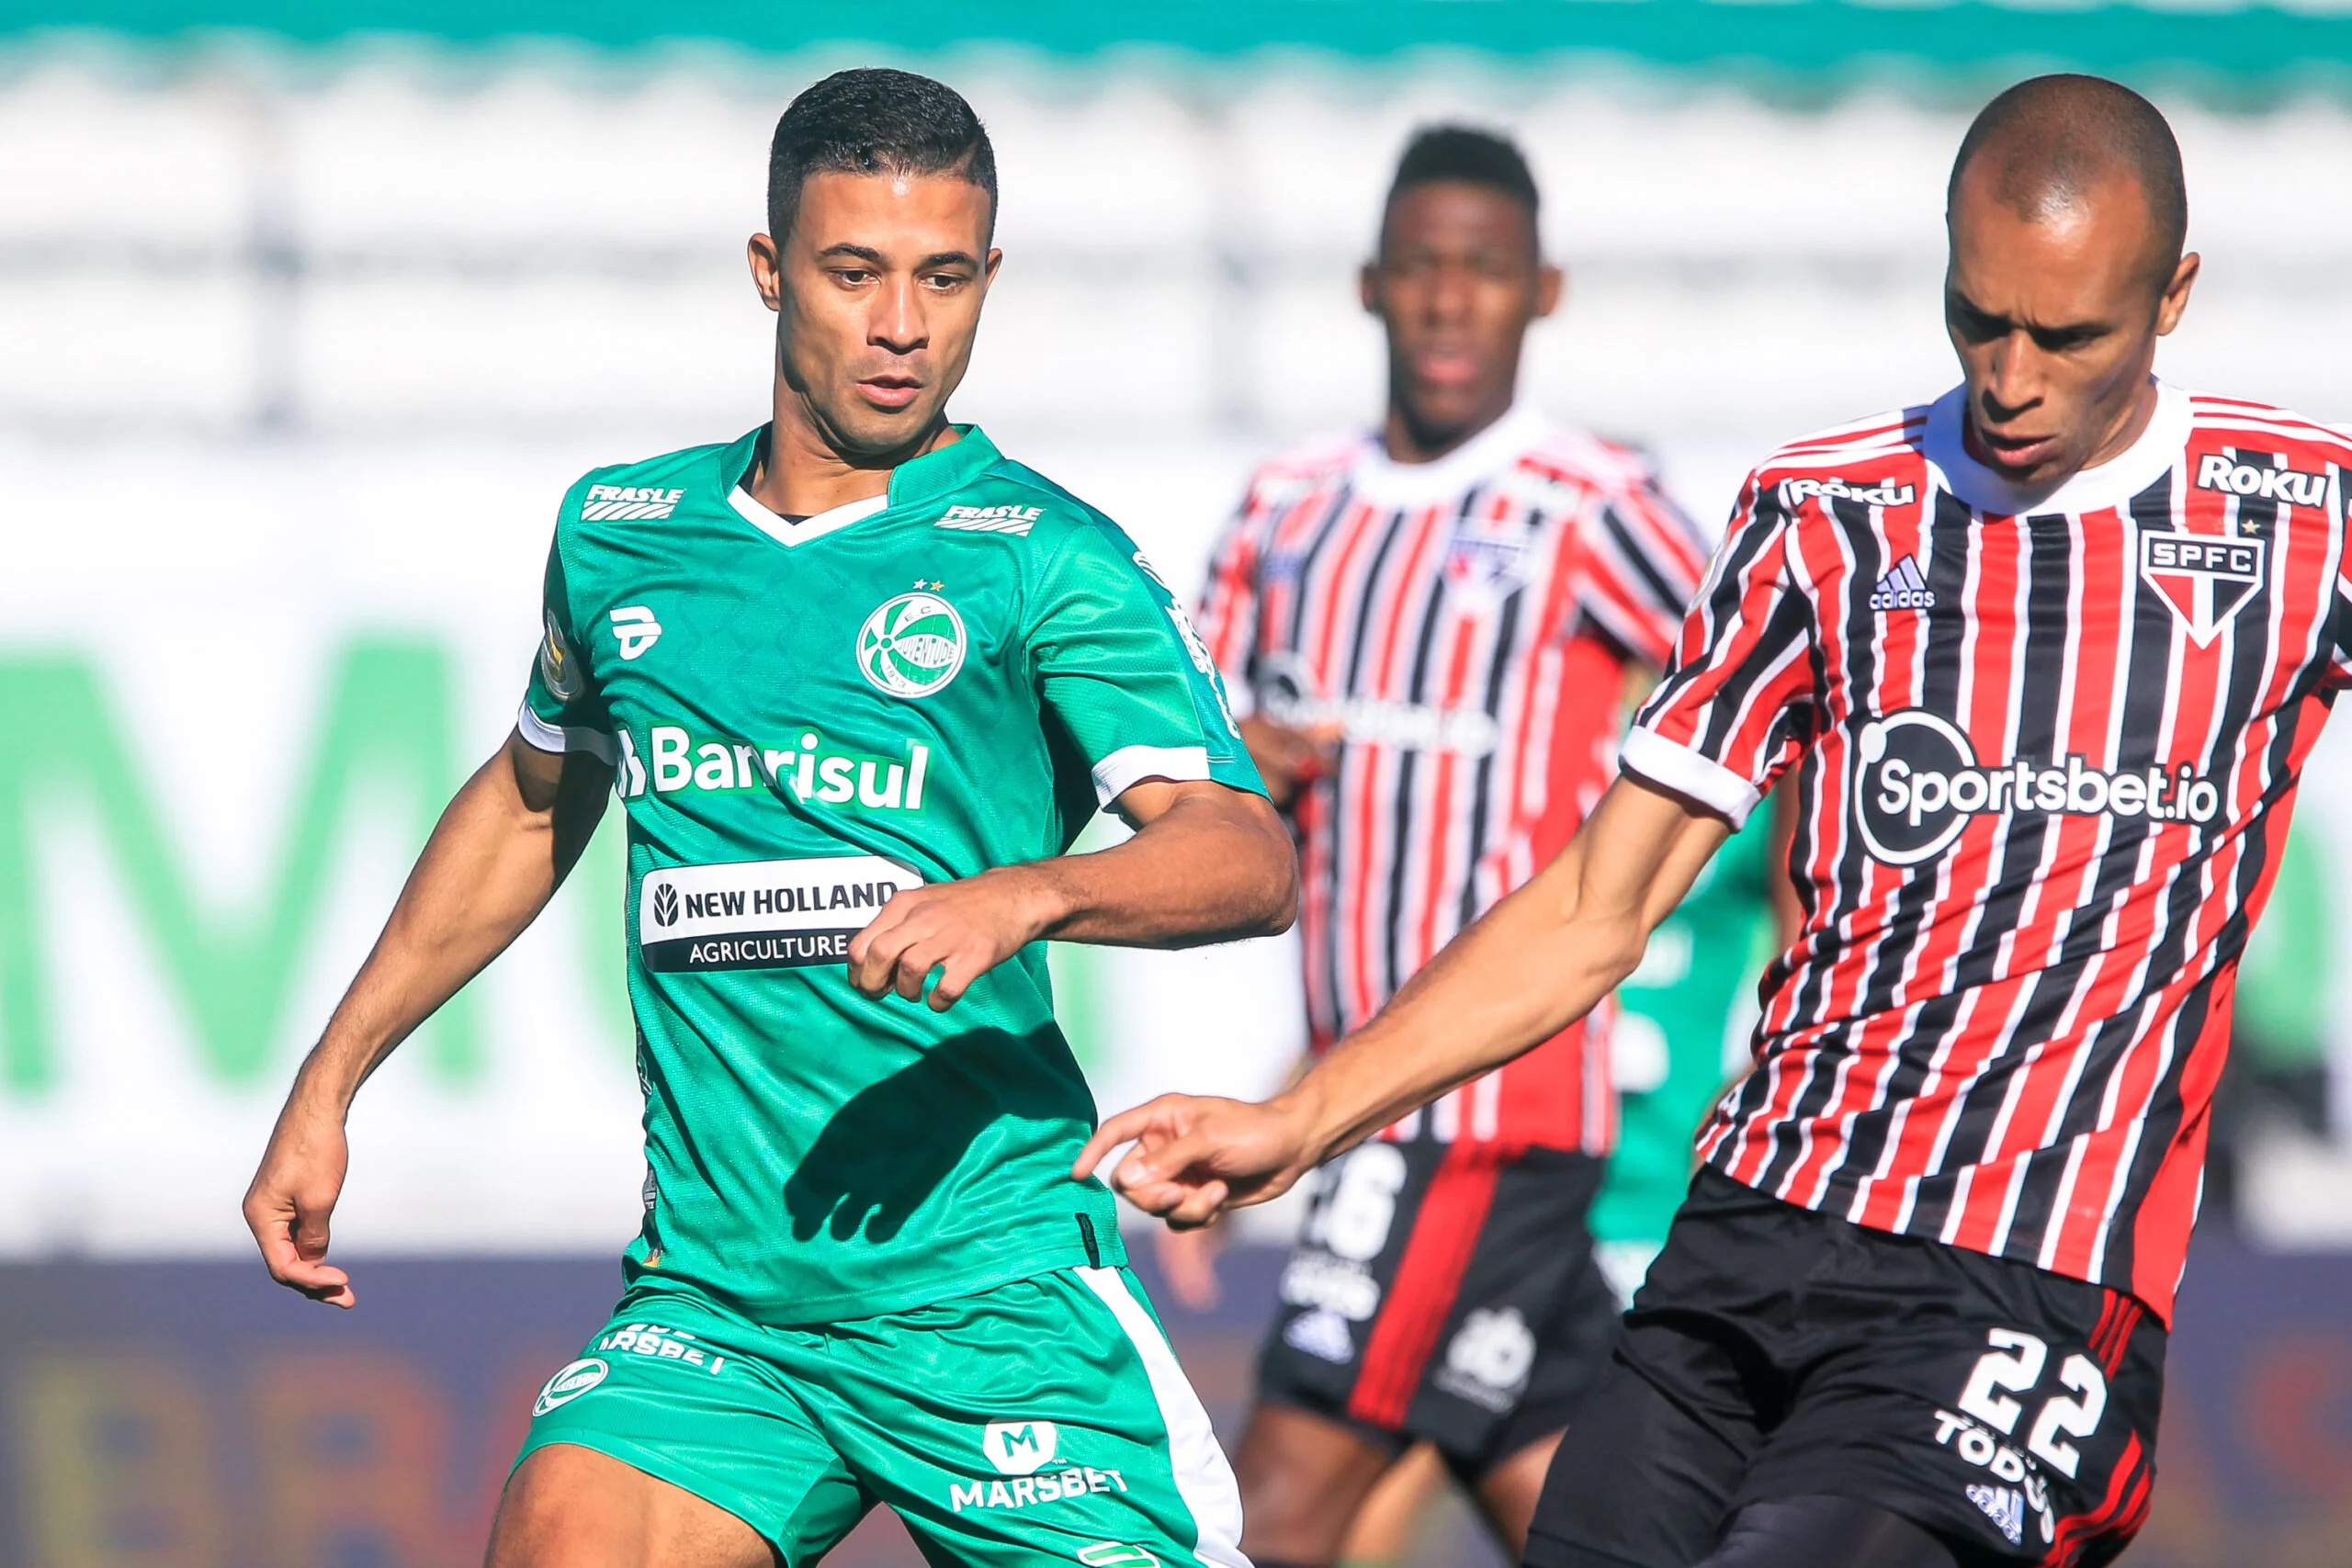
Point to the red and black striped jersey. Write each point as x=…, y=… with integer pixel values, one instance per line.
x=2046, y=750
x=1468, y=625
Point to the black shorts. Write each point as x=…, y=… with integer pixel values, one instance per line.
x=1775, y=1352
x=1447, y=1292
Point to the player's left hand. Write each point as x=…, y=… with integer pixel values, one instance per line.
x=961, y=928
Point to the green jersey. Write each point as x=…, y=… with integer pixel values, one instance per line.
x=805, y=717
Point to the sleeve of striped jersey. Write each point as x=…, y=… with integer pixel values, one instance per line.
x=562, y=708
x=1227, y=612
x=1735, y=707
x=1642, y=569
x=1117, y=660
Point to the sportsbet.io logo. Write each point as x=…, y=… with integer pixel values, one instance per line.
x=1919, y=782
x=911, y=645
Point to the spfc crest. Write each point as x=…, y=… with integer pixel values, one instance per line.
x=2206, y=578
x=1482, y=566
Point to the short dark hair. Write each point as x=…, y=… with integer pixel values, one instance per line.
x=876, y=121
x=1463, y=154
x=2057, y=136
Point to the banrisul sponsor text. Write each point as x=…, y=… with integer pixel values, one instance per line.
x=674, y=758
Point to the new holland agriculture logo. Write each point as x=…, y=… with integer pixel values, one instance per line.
x=911, y=645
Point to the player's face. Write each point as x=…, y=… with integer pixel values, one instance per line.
x=878, y=292
x=1457, y=281
x=2056, y=319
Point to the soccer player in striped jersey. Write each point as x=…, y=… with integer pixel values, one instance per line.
x=1431, y=626
x=2045, y=657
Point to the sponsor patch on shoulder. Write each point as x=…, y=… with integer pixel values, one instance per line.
x=1014, y=520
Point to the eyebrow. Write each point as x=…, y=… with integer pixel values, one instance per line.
x=867, y=253
x=2062, y=329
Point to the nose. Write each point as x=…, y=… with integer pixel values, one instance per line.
x=2013, y=383
x=898, y=321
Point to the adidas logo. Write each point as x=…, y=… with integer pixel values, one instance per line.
x=1903, y=588
x=627, y=501
x=1014, y=520
x=2004, y=1506
x=1322, y=1334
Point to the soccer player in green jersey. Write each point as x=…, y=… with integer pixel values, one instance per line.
x=858, y=679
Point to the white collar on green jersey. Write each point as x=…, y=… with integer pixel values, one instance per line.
x=1384, y=481
x=784, y=531
x=2111, y=484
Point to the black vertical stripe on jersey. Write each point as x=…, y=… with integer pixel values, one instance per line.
x=1720, y=607
x=1858, y=579
x=2048, y=630
x=2145, y=678
x=2247, y=635
x=1403, y=847
x=1482, y=776
x=1948, y=544
x=1326, y=790
x=1355, y=761
x=1373, y=574
x=1661, y=592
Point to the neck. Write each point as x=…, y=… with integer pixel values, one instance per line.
x=802, y=467
x=1409, y=440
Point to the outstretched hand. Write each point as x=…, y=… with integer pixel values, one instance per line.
x=1196, y=1156
x=292, y=1196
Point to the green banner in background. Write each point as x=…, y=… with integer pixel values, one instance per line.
x=2249, y=53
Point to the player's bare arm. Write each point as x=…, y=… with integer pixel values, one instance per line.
x=499, y=852
x=1535, y=963
x=1207, y=864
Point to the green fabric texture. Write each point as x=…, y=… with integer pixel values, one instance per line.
x=1033, y=1423
x=954, y=682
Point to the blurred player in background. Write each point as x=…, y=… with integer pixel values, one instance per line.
x=1430, y=629
x=858, y=679
x=2046, y=657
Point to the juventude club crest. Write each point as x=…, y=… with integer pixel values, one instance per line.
x=911, y=645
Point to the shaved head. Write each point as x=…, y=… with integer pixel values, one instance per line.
x=2048, y=144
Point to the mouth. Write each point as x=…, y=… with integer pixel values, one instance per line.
x=2015, y=453
x=889, y=393
x=1445, y=367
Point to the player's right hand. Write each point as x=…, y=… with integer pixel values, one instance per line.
x=1197, y=1155
x=292, y=1198
x=1289, y=759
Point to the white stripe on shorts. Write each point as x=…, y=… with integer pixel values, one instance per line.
x=1203, y=1481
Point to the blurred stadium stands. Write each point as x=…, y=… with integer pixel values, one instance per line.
x=308, y=314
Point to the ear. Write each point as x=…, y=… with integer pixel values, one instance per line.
x=1551, y=285
x=988, y=269
x=1368, y=287
x=767, y=270
x=2174, y=299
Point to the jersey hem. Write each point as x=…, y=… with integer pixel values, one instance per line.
x=803, y=1313
x=1130, y=765
x=541, y=736
x=1660, y=760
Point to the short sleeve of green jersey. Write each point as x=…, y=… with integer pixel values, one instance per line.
x=1117, y=661
x=562, y=708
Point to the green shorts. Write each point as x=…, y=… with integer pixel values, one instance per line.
x=1046, y=1420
